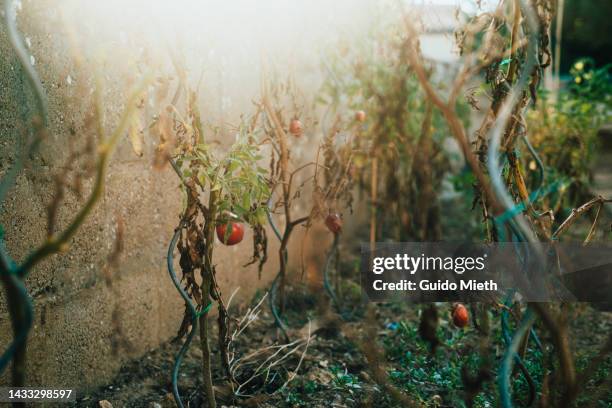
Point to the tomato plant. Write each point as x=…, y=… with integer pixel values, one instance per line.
x=283, y=176
x=398, y=145
x=223, y=189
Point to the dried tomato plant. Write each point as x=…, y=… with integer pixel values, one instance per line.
x=283, y=175
x=221, y=188
x=397, y=139
x=510, y=47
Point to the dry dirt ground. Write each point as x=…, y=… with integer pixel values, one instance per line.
x=334, y=372
x=325, y=365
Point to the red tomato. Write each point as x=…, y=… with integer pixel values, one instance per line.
x=333, y=222
x=234, y=236
x=360, y=116
x=460, y=315
x=295, y=127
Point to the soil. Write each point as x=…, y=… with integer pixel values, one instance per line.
x=334, y=371
x=326, y=363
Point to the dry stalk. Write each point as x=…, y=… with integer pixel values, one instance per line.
x=578, y=212
x=264, y=359
x=272, y=356
x=448, y=111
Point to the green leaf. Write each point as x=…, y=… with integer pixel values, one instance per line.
x=261, y=214
x=239, y=211
x=246, y=200
x=232, y=166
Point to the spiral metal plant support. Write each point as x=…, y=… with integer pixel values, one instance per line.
x=326, y=283
x=513, y=217
x=32, y=77
x=273, y=288
x=12, y=280
x=510, y=356
x=504, y=376
x=195, y=314
x=333, y=252
x=11, y=274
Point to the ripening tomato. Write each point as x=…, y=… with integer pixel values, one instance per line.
x=460, y=315
x=234, y=236
x=360, y=116
x=295, y=127
x=333, y=222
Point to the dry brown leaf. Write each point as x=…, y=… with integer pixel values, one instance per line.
x=136, y=135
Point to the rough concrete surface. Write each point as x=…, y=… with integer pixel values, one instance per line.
x=71, y=343
x=84, y=329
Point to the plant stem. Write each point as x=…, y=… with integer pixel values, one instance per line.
x=283, y=269
x=206, y=369
x=207, y=280
x=374, y=197
x=557, y=54
x=284, y=175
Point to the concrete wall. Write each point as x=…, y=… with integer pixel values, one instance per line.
x=71, y=341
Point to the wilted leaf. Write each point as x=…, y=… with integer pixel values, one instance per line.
x=136, y=135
